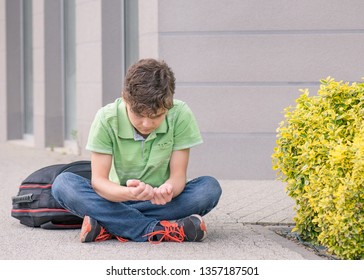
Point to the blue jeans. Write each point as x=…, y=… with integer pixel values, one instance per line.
x=133, y=219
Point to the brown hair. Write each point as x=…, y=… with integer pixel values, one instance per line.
x=149, y=86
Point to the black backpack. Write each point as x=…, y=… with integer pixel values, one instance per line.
x=35, y=206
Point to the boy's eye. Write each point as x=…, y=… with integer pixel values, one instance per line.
x=149, y=116
x=154, y=117
x=140, y=116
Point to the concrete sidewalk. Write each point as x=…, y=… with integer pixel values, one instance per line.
x=238, y=229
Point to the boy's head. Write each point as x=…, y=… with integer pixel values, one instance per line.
x=149, y=87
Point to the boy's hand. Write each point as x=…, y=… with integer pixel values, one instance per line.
x=140, y=190
x=163, y=194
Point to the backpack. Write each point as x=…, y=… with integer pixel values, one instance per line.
x=35, y=206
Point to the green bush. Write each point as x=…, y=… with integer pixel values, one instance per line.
x=319, y=153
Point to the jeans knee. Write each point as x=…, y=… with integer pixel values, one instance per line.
x=63, y=185
x=57, y=185
x=212, y=186
x=207, y=192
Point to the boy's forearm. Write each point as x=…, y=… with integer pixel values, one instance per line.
x=110, y=190
x=101, y=165
x=178, y=184
x=178, y=170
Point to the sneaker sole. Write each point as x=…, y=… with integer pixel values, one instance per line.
x=202, y=227
x=85, y=230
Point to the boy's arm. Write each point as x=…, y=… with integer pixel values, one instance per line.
x=177, y=179
x=101, y=165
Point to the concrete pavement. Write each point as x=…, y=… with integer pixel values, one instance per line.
x=238, y=229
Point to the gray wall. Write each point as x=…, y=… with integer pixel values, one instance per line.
x=14, y=74
x=3, y=75
x=239, y=63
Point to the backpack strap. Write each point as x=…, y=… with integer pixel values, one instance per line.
x=52, y=225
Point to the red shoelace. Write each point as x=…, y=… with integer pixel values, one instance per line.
x=104, y=235
x=171, y=232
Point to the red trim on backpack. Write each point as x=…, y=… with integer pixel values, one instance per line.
x=39, y=210
x=34, y=186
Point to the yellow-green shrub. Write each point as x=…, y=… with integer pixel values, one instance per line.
x=319, y=153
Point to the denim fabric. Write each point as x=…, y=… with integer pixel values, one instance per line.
x=134, y=219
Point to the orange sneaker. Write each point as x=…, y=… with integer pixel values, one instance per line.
x=92, y=231
x=191, y=228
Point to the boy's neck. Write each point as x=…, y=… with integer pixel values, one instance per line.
x=137, y=133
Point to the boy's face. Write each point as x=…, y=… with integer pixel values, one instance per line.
x=146, y=124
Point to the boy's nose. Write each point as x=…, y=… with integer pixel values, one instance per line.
x=147, y=123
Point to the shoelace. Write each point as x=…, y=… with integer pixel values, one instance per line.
x=104, y=235
x=121, y=239
x=171, y=232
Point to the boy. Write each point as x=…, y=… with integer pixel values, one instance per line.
x=139, y=155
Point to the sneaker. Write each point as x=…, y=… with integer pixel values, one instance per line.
x=194, y=228
x=91, y=231
x=191, y=228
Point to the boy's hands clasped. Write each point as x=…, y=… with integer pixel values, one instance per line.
x=163, y=194
x=141, y=191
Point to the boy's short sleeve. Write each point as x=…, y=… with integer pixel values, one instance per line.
x=99, y=140
x=186, y=131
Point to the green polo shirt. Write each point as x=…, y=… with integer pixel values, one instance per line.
x=137, y=158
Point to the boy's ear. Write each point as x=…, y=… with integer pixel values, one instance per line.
x=122, y=97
